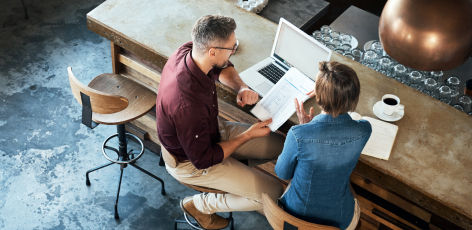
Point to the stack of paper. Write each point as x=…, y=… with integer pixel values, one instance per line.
x=381, y=140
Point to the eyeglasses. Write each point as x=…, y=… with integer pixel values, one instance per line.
x=235, y=47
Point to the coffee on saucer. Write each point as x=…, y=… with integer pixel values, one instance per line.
x=391, y=104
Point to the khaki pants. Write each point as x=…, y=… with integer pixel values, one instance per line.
x=243, y=184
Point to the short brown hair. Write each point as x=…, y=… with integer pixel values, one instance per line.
x=212, y=28
x=337, y=88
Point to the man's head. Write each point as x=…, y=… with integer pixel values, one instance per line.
x=213, y=35
x=337, y=88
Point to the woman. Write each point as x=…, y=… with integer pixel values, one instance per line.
x=320, y=153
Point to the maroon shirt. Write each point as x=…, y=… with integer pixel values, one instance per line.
x=187, y=110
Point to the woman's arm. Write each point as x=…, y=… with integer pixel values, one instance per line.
x=287, y=160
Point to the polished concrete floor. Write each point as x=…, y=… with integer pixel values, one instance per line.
x=44, y=149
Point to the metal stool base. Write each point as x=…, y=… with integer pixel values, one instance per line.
x=123, y=160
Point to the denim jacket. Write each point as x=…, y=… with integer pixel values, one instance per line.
x=319, y=157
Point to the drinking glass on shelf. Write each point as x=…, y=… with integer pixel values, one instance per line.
x=453, y=82
x=336, y=42
x=357, y=53
x=335, y=34
x=431, y=87
x=385, y=66
x=377, y=47
x=345, y=38
x=339, y=51
x=400, y=73
x=330, y=46
x=245, y=5
x=458, y=107
x=348, y=55
x=317, y=35
x=346, y=47
x=454, y=96
x=414, y=79
x=325, y=29
x=466, y=103
x=326, y=39
x=369, y=59
x=437, y=75
x=445, y=94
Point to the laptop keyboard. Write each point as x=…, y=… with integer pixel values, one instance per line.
x=272, y=72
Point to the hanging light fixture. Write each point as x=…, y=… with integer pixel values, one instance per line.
x=427, y=34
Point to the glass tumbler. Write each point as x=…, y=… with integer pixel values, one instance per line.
x=431, y=87
x=330, y=46
x=453, y=82
x=336, y=42
x=325, y=29
x=346, y=47
x=348, y=55
x=317, y=35
x=385, y=66
x=357, y=53
x=458, y=107
x=377, y=47
x=415, y=79
x=454, y=96
x=345, y=38
x=445, y=94
x=339, y=51
x=399, y=73
x=437, y=75
x=466, y=103
x=335, y=34
x=370, y=59
x=326, y=39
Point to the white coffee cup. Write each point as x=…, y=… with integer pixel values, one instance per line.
x=391, y=104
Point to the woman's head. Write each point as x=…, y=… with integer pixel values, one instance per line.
x=337, y=88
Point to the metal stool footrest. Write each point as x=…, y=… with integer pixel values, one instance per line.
x=118, y=161
x=196, y=226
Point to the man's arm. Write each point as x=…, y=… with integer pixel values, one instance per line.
x=230, y=77
x=259, y=129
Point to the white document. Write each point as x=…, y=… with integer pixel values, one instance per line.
x=381, y=140
x=278, y=103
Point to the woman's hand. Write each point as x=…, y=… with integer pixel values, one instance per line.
x=302, y=116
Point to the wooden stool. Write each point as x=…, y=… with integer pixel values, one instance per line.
x=194, y=224
x=113, y=99
x=281, y=220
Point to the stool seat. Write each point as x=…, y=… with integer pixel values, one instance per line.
x=140, y=99
x=113, y=99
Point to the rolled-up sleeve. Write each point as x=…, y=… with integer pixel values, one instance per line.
x=192, y=128
x=287, y=160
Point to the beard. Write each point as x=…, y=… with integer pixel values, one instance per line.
x=224, y=65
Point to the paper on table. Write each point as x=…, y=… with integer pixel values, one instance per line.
x=278, y=103
x=382, y=138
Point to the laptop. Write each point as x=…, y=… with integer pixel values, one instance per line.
x=292, y=48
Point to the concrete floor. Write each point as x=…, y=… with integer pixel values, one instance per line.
x=44, y=149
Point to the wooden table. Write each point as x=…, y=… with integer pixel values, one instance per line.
x=428, y=174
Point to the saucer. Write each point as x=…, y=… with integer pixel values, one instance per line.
x=378, y=111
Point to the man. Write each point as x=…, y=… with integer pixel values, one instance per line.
x=199, y=150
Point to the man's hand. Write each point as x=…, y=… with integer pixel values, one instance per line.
x=302, y=116
x=246, y=97
x=259, y=129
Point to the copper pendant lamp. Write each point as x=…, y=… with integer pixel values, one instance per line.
x=427, y=34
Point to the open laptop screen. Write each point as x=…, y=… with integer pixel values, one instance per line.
x=298, y=49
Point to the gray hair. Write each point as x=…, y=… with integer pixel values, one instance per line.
x=211, y=28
